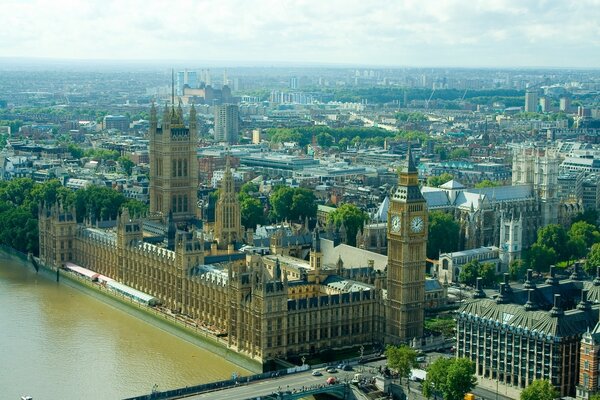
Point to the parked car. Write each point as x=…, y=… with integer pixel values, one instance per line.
x=316, y=372
x=347, y=367
x=331, y=370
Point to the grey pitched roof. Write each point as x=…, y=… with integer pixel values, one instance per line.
x=436, y=199
x=452, y=184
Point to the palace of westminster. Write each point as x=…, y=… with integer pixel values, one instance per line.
x=269, y=304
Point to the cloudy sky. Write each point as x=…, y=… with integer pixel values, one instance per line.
x=489, y=33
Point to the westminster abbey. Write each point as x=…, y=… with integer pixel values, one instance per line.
x=267, y=305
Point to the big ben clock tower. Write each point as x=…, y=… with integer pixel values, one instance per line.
x=407, y=243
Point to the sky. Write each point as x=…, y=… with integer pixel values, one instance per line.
x=420, y=33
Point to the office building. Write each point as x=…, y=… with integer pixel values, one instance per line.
x=226, y=126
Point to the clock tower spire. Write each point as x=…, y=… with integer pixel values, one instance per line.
x=407, y=244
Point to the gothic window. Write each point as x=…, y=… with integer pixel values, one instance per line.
x=179, y=167
x=185, y=167
x=174, y=203
x=173, y=168
x=185, y=203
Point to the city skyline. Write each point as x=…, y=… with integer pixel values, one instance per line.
x=407, y=33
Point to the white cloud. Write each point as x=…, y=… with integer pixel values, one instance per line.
x=409, y=32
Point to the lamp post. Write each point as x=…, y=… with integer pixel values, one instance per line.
x=362, y=351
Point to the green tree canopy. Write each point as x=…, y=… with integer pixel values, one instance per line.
x=539, y=257
x=443, y=234
x=292, y=203
x=402, y=359
x=593, y=259
x=469, y=273
x=487, y=273
x=539, y=389
x=458, y=154
x=252, y=212
x=554, y=237
x=486, y=183
x=517, y=270
x=436, y=181
x=353, y=219
x=126, y=164
x=451, y=378
x=586, y=231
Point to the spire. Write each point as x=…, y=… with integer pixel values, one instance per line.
x=316, y=240
x=410, y=163
x=479, y=293
x=173, y=88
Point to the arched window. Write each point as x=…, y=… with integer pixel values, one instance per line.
x=179, y=167
x=174, y=168
x=185, y=203
x=185, y=167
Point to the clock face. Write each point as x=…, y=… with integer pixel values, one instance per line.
x=417, y=224
x=395, y=226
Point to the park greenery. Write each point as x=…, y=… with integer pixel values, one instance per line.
x=443, y=234
x=450, y=378
x=20, y=200
x=353, y=219
x=539, y=389
x=348, y=136
x=401, y=359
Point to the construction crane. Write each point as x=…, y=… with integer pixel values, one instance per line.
x=427, y=103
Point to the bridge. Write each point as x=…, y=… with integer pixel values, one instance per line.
x=272, y=386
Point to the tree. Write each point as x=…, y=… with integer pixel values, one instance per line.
x=445, y=326
x=249, y=188
x=353, y=219
x=517, y=270
x=486, y=183
x=539, y=257
x=252, y=212
x=469, y=273
x=586, y=231
x=460, y=379
x=539, y=389
x=554, y=237
x=452, y=378
x=443, y=234
x=126, y=164
x=593, y=259
x=436, y=181
x=487, y=273
x=435, y=383
x=590, y=216
x=402, y=359
x=458, y=154
x=292, y=204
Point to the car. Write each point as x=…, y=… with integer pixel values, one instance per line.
x=347, y=367
x=331, y=370
x=316, y=373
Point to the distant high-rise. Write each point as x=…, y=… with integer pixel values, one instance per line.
x=227, y=123
x=180, y=82
x=293, y=82
x=192, y=79
x=531, y=100
x=565, y=104
x=545, y=104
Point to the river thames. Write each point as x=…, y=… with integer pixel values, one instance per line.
x=57, y=342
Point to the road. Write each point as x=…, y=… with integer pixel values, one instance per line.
x=270, y=386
